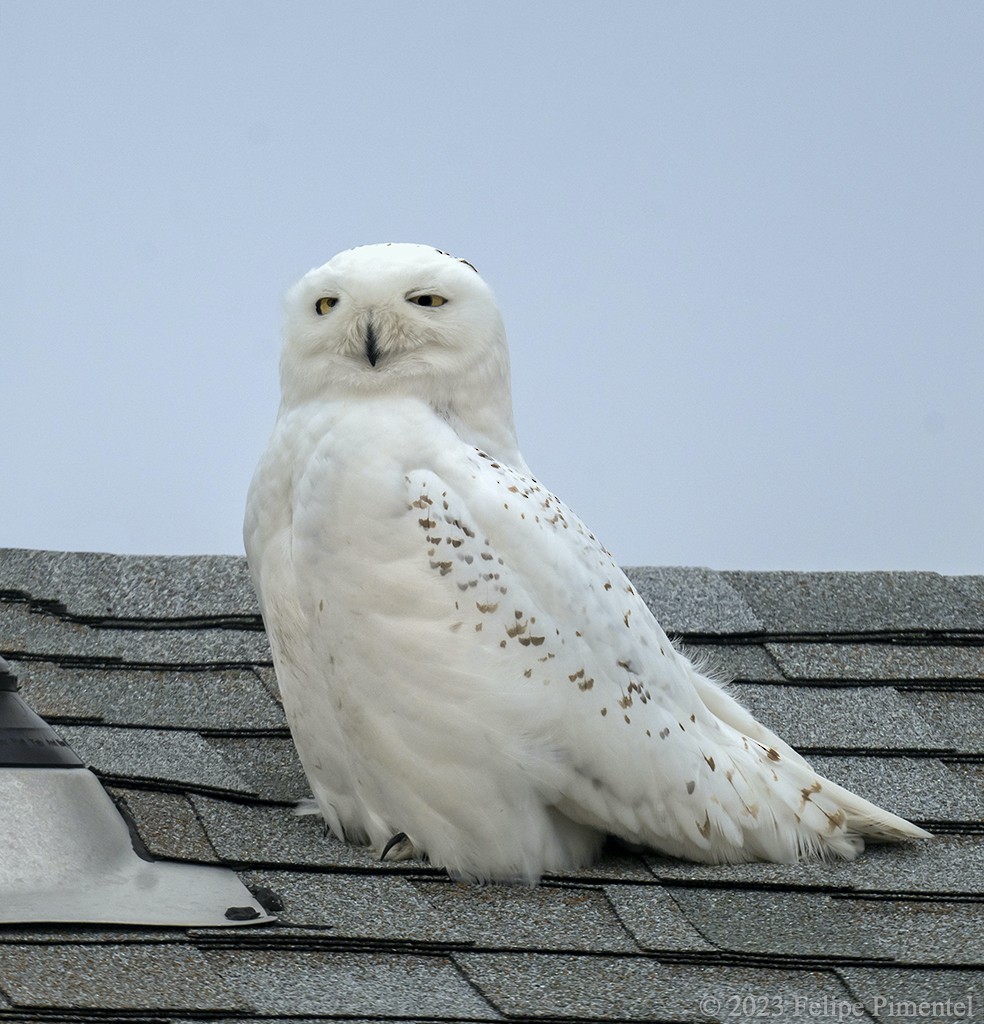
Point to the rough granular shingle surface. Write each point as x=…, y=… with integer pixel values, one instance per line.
x=118, y=976
x=517, y=917
x=694, y=601
x=158, y=672
x=845, y=718
x=910, y=665
x=353, y=906
x=171, y=699
x=330, y=983
x=655, y=920
x=169, y=757
x=167, y=824
x=914, y=994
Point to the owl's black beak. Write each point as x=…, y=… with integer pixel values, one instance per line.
x=372, y=352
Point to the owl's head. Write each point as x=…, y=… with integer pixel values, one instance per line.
x=400, y=320
x=383, y=319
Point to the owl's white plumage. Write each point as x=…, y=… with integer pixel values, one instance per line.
x=460, y=659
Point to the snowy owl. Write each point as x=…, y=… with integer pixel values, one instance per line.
x=467, y=674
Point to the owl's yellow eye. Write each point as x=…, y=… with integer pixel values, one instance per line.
x=427, y=300
x=324, y=304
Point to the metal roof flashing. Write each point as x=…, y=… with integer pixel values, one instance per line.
x=67, y=855
x=26, y=739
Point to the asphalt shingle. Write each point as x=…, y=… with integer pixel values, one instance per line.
x=921, y=789
x=655, y=920
x=846, y=718
x=952, y=719
x=749, y=662
x=894, y=994
x=162, y=976
x=559, y=985
x=340, y=984
x=269, y=679
x=694, y=600
x=640, y=988
x=815, y=925
x=235, y=699
x=95, y=585
x=167, y=824
x=516, y=917
x=944, y=865
x=171, y=758
x=245, y=833
x=357, y=906
x=868, y=602
x=882, y=662
x=268, y=765
x=970, y=774
x=49, y=636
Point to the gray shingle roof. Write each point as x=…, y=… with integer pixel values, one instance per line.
x=158, y=673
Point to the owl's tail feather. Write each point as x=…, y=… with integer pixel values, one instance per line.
x=790, y=814
x=868, y=820
x=811, y=818
x=836, y=824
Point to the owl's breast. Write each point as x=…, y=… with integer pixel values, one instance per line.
x=337, y=547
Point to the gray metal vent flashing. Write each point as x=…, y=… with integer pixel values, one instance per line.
x=67, y=855
x=26, y=739
x=8, y=681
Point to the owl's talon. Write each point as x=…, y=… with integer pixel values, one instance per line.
x=400, y=837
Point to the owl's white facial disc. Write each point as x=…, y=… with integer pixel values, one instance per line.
x=390, y=319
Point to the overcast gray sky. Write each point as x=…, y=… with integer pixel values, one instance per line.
x=739, y=249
